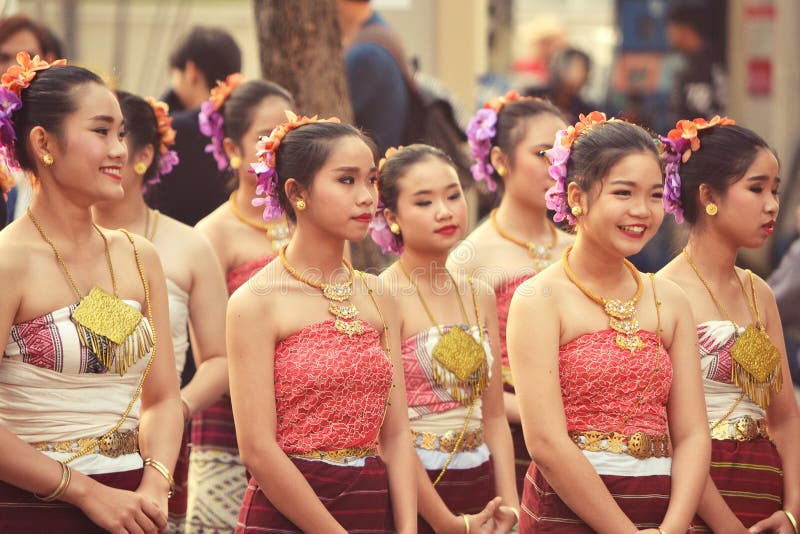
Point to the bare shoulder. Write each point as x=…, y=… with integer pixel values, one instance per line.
x=672, y=270
x=543, y=289
x=215, y=223
x=390, y=279
x=467, y=255
x=122, y=240
x=190, y=239
x=15, y=255
x=258, y=295
x=669, y=292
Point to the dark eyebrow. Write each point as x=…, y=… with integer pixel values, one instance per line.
x=763, y=178
x=620, y=181
x=103, y=118
x=353, y=169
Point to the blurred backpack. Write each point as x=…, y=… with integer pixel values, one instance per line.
x=431, y=118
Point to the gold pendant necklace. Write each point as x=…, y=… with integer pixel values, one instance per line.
x=621, y=315
x=114, y=330
x=755, y=360
x=459, y=362
x=540, y=254
x=337, y=295
x=278, y=234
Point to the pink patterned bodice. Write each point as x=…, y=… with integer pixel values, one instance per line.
x=242, y=273
x=331, y=390
x=503, y=294
x=715, y=339
x=607, y=388
x=424, y=395
x=51, y=342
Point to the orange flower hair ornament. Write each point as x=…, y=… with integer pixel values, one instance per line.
x=167, y=158
x=480, y=132
x=679, y=144
x=211, y=119
x=264, y=167
x=15, y=79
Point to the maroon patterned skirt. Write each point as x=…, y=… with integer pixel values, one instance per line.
x=358, y=497
x=20, y=511
x=748, y=475
x=214, y=427
x=464, y=491
x=643, y=499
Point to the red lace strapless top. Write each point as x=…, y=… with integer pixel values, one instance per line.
x=242, y=273
x=330, y=389
x=503, y=294
x=606, y=388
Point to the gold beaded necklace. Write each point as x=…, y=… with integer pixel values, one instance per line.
x=540, y=254
x=621, y=315
x=277, y=233
x=337, y=295
x=755, y=360
x=114, y=330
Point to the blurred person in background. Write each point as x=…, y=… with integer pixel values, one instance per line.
x=785, y=283
x=569, y=72
x=204, y=56
x=542, y=37
x=698, y=89
x=19, y=33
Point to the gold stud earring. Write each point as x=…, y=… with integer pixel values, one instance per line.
x=711, y=209
x=394, y=228
x=502, y=171
x=300, y=205
x=47, y=159
x=236, y=162
x=140, y=168
x=577, y=211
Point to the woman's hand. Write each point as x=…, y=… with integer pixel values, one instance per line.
x=777, y=523
x=125, y=512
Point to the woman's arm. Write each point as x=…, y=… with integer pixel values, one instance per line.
x=251, y=341
x=161, y=421
x=686, y=413
x=396, y=448
x=534, y=316
x=495, y=423
x=208, y=299
x=784, y=422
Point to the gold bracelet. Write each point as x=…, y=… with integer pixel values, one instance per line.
x=466, y=523
x=63, y=484
x=792, y=520
x=661, y=530
x=512, y=510
x=161, y=468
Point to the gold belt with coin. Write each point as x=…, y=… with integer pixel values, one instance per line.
x=339, y=456
x=430, y=441
x=743, y=428
x=639, y=445
x=114, y=445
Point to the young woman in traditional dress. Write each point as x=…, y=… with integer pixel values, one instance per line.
x=88, y=387
x=314, y=353
x=723, y=180
x=449, y=332
x=195, y=284
x=508, y=138
x=611, y=404
x=237, y=113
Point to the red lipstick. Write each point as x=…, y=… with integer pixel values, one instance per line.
x=449, y=229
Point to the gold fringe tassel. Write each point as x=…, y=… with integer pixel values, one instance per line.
x=759, y=392
x=464, y=391
x=122, y=355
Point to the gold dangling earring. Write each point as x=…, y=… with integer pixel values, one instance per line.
x=577, y=211
x=394, y=228
x=300, y=205
x=47, y=159
x=711, y=209
x=236, y=162
x=140, y=168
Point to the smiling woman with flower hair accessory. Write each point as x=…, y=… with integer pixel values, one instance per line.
x=195, y=285
x=508, y=137
x=314, y=354
x=722, y=179
x=100, y=368
x=609, y=395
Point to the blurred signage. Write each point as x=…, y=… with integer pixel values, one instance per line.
x=759, y=33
